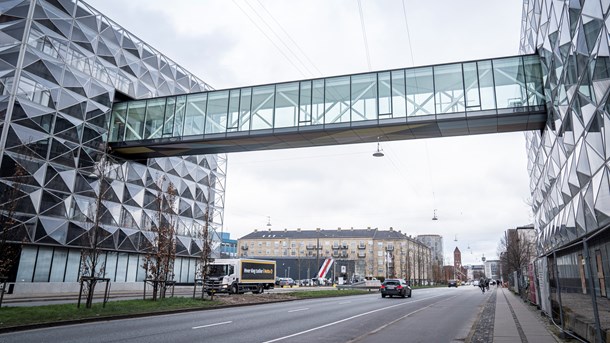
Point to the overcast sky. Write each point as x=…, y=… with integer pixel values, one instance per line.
x=478, y=185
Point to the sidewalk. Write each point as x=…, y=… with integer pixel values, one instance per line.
x=514, y=322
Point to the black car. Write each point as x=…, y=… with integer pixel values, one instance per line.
x=395, y=287
x=453, y=283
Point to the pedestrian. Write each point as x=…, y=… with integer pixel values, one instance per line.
x=497, y=283
x=487, y=284
x=482, y=285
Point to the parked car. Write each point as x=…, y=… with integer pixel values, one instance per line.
x=453, y=283
x=475, y=283
x=393, y=287
x=305, y=282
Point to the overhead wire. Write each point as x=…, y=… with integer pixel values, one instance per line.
x=301, y=51
x=279, y=38
x=366, y=43
x=269, y=38
x=404, y=13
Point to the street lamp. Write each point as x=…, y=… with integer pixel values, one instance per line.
x=379, y=152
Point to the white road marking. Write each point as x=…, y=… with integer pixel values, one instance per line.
x=346, y=319
x=345, y=302
x=299, y=309
x=215, y=324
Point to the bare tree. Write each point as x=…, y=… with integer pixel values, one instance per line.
x=516, y=251
x=10, y=194
x=205, y=258
x=92, y=267
x=159, y=261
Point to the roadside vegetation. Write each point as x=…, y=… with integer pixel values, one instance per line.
x=11, y=317
x=19, y=316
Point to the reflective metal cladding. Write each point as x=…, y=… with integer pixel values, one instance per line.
x=485, y=96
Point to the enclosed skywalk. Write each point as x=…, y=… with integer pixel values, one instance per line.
x=467, y=98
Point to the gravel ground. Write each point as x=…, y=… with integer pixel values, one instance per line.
x=483, y=330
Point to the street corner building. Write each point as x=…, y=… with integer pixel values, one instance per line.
x=62, y=66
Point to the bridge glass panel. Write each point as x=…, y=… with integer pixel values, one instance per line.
x=155, y=110
x=317, y=102
x=364, y=97
x=420, y=91
x=119, y=118
x=233, y=118
x=286, y=105
x=244, y=109
x=449, y=88
x=533, y=75
x=194, y=118
x=169, y=116
x=135, y=120
x=472, y=95
x=218, y=104
x=262, y=107
x=305, y=103
x=486, y=85
x=179, y=115
x=385, y=94
x=509, y=78
x=399, y=105
x=337, y=100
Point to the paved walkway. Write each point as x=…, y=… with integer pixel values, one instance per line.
x=507, y=319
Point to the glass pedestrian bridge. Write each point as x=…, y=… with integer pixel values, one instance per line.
x=466, y=98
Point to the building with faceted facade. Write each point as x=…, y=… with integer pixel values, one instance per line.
x=569, y=161
x=62, y=65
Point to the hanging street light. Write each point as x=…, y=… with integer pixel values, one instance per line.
x=379, y=152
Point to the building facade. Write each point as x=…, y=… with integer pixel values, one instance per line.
x=569, y=161
x=435, y=243
x=372, y=252
x=228, y=246
x=62, y=65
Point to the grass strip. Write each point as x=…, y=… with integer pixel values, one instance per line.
x=17, y=316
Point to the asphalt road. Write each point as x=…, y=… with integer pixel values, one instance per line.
x=431, y=315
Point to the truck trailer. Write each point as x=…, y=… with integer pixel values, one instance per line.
x=239, y=275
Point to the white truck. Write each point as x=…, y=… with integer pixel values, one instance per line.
x=239, y=275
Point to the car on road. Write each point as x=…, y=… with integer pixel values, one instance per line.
x=398, y=287
x=452, y=283
x=285, y=282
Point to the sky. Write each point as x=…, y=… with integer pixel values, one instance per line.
x=478, y=186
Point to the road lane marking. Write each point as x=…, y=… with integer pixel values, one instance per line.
x=346, y=319
x=299, y=309
x=408, y=314
x=345, y=302
x=207, y=326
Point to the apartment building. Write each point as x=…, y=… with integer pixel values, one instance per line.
x=358, y=252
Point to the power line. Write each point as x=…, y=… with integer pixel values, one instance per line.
x=291, y=40
x=281, y=40
x=404, y=13
x=366, y=43
x=269, y=38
